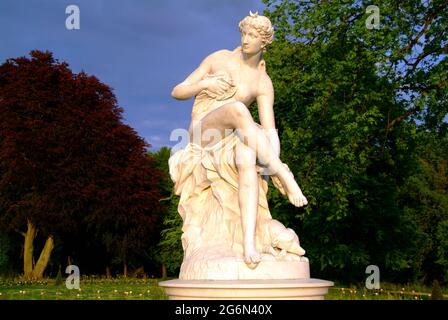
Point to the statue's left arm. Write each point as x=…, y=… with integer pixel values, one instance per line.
x=265, y=102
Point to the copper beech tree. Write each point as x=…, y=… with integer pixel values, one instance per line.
x=67, y=162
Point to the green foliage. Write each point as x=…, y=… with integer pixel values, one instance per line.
x=425, y=200
x=352, y=106
x=436, y=293
x=4, y=253
x=59, y=281
x=171, y=252
x=161, y=162
x=442, y=248
x=169, y=249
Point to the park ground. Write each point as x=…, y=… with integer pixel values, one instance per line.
x=100, y=288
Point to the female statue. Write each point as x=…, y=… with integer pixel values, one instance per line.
x=219, y=175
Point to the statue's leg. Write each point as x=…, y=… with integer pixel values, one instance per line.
x=248, y=201
x=235, y=115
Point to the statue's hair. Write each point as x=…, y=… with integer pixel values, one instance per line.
x=262, y=24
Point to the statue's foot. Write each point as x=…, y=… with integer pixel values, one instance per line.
x=285, y=182
x=297, y=249
x=251, y=257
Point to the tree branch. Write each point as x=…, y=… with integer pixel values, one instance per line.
x=425, y=88
x=422, y=56
x=397, y=120
x=425, y=28
x=20, y=232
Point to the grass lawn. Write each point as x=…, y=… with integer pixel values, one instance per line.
x=91, y=288
x=98, y=288
x=387, y=291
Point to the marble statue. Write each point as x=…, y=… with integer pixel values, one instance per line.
x=221, y=175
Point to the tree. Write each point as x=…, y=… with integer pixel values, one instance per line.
x=169, y=251
x=170, y=246
x=4, y=250
x=349, y=104
x=425, y=200
x=160, y=159
x=68, y=165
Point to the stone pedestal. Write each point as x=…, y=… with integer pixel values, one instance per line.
x=286, y=289
x=236, y=269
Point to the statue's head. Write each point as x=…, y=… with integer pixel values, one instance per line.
x=262, y=25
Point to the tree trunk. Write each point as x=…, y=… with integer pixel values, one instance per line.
x=28, y=251
x=164, y=273
x=108, y=272
x=125, y=269
x=41, y=264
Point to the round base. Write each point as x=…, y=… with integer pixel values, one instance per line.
x=291, y=289
x=231, y=269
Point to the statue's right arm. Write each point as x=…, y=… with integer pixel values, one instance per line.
x=195, y=82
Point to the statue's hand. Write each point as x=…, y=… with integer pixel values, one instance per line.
x=218, y=84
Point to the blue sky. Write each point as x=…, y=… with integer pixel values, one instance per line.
x=142, y=49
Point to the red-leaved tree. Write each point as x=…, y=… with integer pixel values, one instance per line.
x=68, y=162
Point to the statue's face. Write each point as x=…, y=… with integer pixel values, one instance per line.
x=251, y=42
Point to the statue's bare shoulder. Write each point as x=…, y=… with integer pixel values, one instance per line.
x=218, y=56
x=265, y=86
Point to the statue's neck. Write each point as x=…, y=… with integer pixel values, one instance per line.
x=252, y=60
